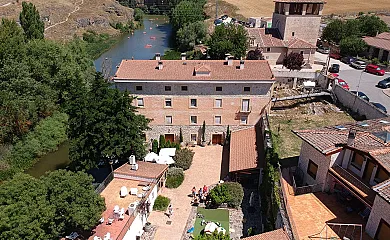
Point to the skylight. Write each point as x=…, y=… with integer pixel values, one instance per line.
x=341, y=128
x=384, y=136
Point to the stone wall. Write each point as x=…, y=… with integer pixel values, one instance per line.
x=308, y=152
x=380, y=210
x=356, y=104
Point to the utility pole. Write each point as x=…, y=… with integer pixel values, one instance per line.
x=216, y=9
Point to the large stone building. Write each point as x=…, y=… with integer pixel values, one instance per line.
x=181, y=94
x=295, y=28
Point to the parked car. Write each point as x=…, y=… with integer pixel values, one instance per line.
x=343, y=84
x=335, y=56
x=323, y=49
x=218, y=22
x=334, y=68
x=380, y=106
x=358, y=64
x=385, y=83
x=348, y=59
x=374, y=69
x=361, y=95
x=335, y=75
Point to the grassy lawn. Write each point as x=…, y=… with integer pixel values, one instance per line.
x=300, y=115
x=214, y=215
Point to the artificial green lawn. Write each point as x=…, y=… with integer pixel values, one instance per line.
x=214, y=215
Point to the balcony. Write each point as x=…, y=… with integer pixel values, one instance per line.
x=245, y=110
x=354, y=184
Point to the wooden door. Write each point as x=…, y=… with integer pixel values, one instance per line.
x=217, y=139
x=368, y=171
x=383, y=232
x=170, y=137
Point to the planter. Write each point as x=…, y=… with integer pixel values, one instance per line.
x=148, y=227
x=203, y=144
x=182, y=144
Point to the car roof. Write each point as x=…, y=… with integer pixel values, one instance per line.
x=378, y=104
x=372, y=65
x=359, y=61
x=341, y=80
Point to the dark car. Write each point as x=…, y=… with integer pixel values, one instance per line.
x=385, y=83
x=380, y=106
x=334, y=68
x=362, y=95
x=348, y=60
x=218, y=22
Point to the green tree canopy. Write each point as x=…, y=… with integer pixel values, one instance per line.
x=352, y=46
x=214, y=236
x=31, y=22
x=138, y=14
x=372, y=25
x=103, y=124
x=333, y=32
x=186, y=12
x=190, y=35
x=49, y=207
x=293, y=61
x=229, y=38
x=254, y=55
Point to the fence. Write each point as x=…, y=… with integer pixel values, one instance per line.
x=299, y=190
x=284, y=211
x=105, y=183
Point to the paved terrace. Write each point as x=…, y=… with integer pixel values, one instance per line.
x=310, y=212
x=205, y=170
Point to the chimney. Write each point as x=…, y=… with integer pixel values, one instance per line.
x=227, y=56
x=242, y=64
x=183, y=56
x=158, y=56
x=230, y=61
x=351, y=137
x=160, y=65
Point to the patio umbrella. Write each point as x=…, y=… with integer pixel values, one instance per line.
x=151, y=157
x=210, y=228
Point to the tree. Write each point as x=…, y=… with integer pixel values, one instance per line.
x=372, y=25
x=138, y=14
x=352, y=46
x=214, y=236
x=255, y=55
x=162, y=142
x=48, y=207
x=333, y=32
x=229, y=38
x=203, y=131
x=183, y=158
x=186, y=12
x=155, y=146
x=181, y=136
x=190, y=35
x=293, y=61
x=103, y=124
x=31, y=22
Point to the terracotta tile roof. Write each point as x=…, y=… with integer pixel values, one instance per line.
x=145, y=169
x=380, y=41
x=266, y=37
x=301, y=1
x=331, y=139
x=277, y=234
x=176, y=70
x=298, y=43
x=243, y=150
x=383, y=189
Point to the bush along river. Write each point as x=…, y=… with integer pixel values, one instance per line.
x=153, y=37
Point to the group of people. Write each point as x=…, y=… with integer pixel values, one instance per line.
x=200, y=195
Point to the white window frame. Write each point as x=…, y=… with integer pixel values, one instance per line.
x=196, y=102
x=215, y=103
x=165, y=102
x=220, y=120
x=196, y=137
x=196, y=118
x=143, y=102
x=166, y=120
x=246, y=120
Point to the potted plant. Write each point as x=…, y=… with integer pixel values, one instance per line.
x=203, y=134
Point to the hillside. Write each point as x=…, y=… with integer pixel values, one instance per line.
x=259, y=8
x=64, y=18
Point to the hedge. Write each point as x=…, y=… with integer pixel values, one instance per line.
x=175, y=177
x=183, y=158
x=231, y=193
x=44, y=138
x=161, y=203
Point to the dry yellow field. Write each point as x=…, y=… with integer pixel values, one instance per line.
x=263, y=8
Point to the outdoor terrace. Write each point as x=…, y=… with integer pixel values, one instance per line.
x=353, y=183
x=112, y=198
x=309, y=213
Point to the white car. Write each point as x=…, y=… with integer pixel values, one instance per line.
x=359, y=65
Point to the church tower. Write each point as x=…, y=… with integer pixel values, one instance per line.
x=298, y=18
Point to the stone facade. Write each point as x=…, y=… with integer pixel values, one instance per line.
x=308, y=152
x=380, y=210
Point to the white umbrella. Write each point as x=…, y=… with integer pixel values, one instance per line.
x=165, y=160
x=167, y=152
x=210, y=228
x=151, y=157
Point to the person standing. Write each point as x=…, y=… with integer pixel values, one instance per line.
x=170, y=211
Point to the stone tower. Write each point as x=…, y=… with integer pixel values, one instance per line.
x=298, y=18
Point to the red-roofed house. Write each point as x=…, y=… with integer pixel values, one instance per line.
x=181, y=94
x=351, y=161
x=379, y=46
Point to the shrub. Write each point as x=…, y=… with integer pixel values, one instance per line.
x=175, y=177
x=155, y=146
x=183, y=158
x=214, y=236
x=161, y=203
x=231, y=193
x=375, y=61
x=162, y=142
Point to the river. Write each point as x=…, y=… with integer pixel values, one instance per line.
x=156, y=32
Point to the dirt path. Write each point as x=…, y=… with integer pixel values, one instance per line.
x=205, y=170
x=77, y=8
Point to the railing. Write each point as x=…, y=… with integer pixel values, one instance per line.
x=245, y=110
x=299, y=190
x=343, y=231
x=105, y=183
x=284, y=211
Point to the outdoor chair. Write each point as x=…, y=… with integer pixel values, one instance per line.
x=110, y=221
x=116, y=209
x=72, y=236
x=133, y=191
x=101, y=220
x=107, y=236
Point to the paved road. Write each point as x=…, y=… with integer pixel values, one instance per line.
x=367, y=81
